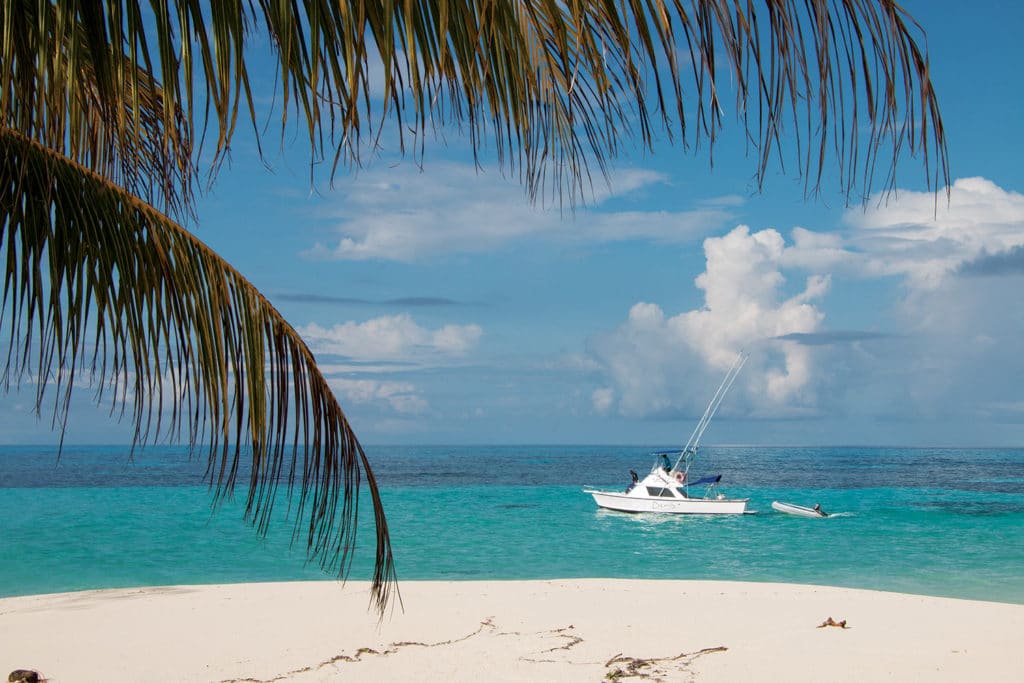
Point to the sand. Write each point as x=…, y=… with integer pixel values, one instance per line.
x=565, y=630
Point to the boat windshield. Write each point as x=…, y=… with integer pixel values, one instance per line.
x=714, y=479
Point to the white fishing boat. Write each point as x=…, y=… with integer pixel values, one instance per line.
x=798, y=510
x=668, y=487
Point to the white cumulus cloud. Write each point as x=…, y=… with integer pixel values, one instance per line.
x=602, y=399
x=402, y=397
x=402, y=214
x=391, y=338
x=659, y=364
x=919, y=236
x=947, y=344
x=387, y=344
x=382, y=345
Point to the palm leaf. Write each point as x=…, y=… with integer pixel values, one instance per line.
x=68, y=85
x=554, y=89
x=105, y=109
x=90, y=266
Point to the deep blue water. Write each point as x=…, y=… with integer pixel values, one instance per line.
x=933, y=521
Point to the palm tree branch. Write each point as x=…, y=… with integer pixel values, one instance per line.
x=67, y=83
x=553, y=88
x=171, y=316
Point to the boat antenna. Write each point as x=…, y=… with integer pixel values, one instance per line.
x=698, y=431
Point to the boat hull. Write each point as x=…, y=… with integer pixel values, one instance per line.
x=798, y=510
x=685, y=506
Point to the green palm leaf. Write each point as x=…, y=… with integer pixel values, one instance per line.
x=90, y=266
x=554, y=89
x=106, y=108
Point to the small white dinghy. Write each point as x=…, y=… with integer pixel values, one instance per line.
x=798, y=510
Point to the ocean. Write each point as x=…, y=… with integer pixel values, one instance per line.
x=936, y=521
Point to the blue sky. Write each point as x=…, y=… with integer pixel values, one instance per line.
x=445, y=308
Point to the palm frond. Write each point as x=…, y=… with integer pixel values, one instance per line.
x=105, y=109
x=90, y=266
x=555, y=89
x=67, y=83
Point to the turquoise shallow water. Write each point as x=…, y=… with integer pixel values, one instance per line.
x=944, y=522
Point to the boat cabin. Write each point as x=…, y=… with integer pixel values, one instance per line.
x=662, y=492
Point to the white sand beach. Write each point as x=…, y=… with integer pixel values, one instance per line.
x=564, y=630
